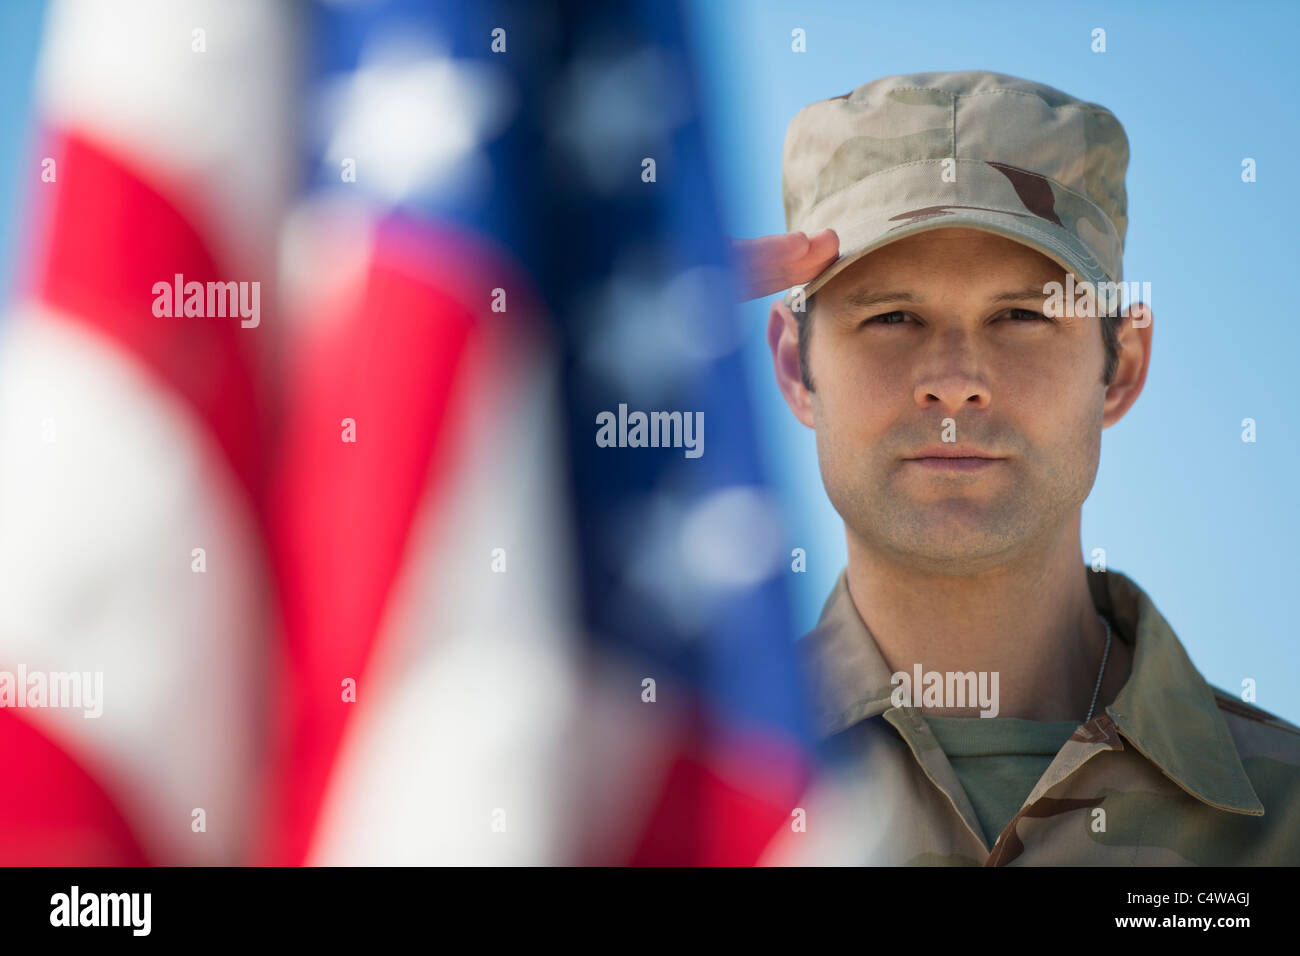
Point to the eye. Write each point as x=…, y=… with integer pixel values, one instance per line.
x=1027, y=315
x=885, y=318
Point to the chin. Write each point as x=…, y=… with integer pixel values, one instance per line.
x=951, y=543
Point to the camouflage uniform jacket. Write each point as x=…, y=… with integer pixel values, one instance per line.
x=1174, y=772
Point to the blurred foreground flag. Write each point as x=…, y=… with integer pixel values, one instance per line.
x=418, y=519
x=131, y=434
x=507, y=641
x=695, y=742
x=319, y=442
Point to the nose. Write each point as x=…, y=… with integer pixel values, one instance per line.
x=952, y=379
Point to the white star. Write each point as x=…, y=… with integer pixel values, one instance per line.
x=613, y=111
x=626, y=343
x=648, y=332
x=694, y=552
x=415, y=120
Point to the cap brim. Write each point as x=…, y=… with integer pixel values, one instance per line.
x=879, y=228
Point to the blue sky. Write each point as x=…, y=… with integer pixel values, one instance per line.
x=20, y=24
x=1205, y=523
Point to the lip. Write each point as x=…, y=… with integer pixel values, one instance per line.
x=953, y=463
x=951, y=451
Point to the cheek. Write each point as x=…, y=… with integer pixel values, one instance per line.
x=854, y=406
x=1058, y=418
x=1041, y=396
x=858, y=396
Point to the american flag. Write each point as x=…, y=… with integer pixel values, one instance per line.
x=362, y=584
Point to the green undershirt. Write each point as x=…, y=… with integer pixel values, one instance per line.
x=998, y=760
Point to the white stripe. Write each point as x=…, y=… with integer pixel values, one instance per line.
x=96, y=532
x=220, y=123
x=468, y=705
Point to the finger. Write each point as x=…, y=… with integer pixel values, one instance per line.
x=823, y=248
x=768, y=255
x=772, y=263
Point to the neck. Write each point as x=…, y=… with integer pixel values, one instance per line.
x=1030, y=619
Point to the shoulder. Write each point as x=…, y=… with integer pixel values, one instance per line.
x=1269, y=747
x=1234, y=709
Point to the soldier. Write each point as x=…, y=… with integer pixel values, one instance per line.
x=958, y=420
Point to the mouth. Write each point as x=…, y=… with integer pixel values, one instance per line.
x=948, y=463
x=953, y=464
x=947, y=458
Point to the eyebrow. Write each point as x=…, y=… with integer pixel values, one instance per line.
x=1017, y=295
x=864, y=298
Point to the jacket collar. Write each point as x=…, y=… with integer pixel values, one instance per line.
x=1166, y=710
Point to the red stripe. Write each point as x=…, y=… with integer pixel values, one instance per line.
x=110, y=234
x=723, y=801
x=342, y=512
x=105, y=233
x=52, y=812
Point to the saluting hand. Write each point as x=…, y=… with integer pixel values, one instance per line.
x=773, y=263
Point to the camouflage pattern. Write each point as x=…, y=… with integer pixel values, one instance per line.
x=1030, y=163
x=1183, y=773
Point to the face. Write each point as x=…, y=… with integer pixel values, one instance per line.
x=942, y=335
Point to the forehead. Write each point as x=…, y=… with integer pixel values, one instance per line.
x=945, y=260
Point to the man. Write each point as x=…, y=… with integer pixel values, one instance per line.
x=990, y=698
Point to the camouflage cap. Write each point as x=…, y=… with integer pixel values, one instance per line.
x=904, y=154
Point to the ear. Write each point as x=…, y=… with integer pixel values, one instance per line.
x=783, y=340
x=1134, y=357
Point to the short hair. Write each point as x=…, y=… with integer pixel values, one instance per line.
x=1109, y=339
